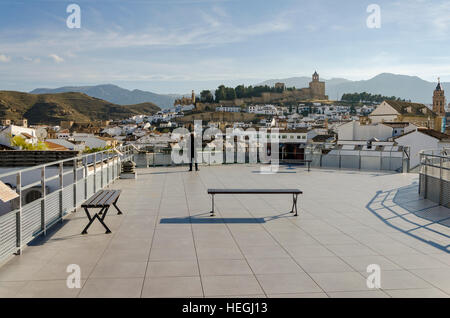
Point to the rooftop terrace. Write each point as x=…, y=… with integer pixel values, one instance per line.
x=166, y=244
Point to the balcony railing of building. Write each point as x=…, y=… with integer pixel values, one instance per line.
x=48, y=192
x=435, y=176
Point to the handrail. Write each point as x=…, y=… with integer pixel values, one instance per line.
x=26, y=220
x=53, y=163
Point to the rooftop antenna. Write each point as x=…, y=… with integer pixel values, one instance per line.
x=41, y=133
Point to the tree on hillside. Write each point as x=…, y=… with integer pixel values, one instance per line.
x=230, y=93
x=240, y=91
x=206, y=96
x=220, y=93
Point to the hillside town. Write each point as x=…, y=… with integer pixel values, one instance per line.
x=302, y=123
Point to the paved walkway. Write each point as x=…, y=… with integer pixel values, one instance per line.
x=166, y=245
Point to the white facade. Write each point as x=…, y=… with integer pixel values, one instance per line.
x=13, y=130
x=263, y=109
x=228, y=109
x=353, y=130
x=418, y=141
x=384, y=112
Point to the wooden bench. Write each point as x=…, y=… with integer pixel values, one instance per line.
x=294, y=192
x=102, y=200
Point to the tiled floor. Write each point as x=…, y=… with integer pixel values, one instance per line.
x=167, y=245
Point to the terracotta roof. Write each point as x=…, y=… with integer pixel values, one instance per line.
x=434, y=133
x=401, y=107
x=430, y=132
x=52, y=146
x=26, y=135
x=397, y=124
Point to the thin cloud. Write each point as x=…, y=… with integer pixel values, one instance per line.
x=4, y=58
x=56, y=58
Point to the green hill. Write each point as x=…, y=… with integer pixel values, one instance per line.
x=52, y=108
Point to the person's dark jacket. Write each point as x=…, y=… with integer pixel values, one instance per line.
x=192, y=153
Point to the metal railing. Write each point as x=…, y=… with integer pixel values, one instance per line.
x=435, y=176
x=48, y=192
x=389, y=161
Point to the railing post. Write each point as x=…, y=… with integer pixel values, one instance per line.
x=359, y=160
x=426, y=179
x=19, y=214
x=61, y=187
x=85, y=178
x=107, y=169
x=43, y=225
x=75, y=183
x=112, y=167
x=95, y=172
x=441, y=196
x=101, y=171
x=420, y=173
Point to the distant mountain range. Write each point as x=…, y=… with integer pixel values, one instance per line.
x=53, y=108
x=407, y=87
x=115, y=94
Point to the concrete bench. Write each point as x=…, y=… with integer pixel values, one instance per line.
x=294, y=192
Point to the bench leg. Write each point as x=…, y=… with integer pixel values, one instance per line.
x=103, y=223
x=115, y=205
x=91, y=219
x=212, y=201
x=294, y=204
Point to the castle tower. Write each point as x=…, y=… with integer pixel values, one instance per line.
x=193, y=97
x=317, y=87
x=439, y=100
x=315, y=77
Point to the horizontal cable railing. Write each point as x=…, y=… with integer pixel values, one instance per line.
x=390, y=161
x=48, y=192
x=434, y=178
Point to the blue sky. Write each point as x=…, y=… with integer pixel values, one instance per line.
x=174, y=46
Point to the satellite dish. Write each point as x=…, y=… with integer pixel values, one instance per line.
x=41, y=133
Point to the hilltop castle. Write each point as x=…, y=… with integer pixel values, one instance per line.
x=315, y=92
x=185, y=100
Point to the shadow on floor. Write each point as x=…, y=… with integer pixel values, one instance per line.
x=161, y=172
x=205, y=218
x=404, y=210
x=278, y=172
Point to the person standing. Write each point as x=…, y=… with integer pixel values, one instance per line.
x=193, y=153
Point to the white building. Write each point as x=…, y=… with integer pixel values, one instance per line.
x=423, y=139
x=10, y=131
x=263, y=109
x=354, y=130
x=391, y=110
x=228, y=109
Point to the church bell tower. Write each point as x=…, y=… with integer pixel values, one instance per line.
x=439, y=100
